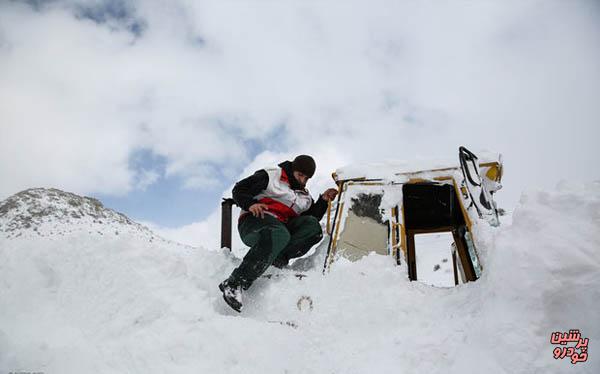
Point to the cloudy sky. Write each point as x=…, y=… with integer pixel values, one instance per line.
x=158, y=106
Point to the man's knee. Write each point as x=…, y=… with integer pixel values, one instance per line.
x=313, y=225
x=280, y=236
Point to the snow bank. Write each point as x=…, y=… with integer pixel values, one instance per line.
x=120, y=303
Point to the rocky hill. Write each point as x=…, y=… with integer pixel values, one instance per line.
x=49, y=211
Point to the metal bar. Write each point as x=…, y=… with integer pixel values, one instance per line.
x=433, y=230
x=455, y=268
x=329, y=218
x=410, y=256
x=226, y=222
x=334, y=228
x=463, y=255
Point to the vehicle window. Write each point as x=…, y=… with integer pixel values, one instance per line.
x=364, y=230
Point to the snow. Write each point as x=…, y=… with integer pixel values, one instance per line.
x=390, y=169
x=434, y=259
x=51, y=212
x=84, y=302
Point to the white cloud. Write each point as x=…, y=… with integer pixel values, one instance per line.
x=343, y=82
x=146, y=178
x=202, y=178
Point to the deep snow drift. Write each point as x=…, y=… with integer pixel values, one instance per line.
x=106, y=299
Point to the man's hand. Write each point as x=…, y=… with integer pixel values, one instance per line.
x=258, y=209
x=330, y=194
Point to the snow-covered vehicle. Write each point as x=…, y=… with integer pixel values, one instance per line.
x=384, y=208
x=391, y=208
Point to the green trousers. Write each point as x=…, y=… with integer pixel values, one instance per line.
x=273, y=242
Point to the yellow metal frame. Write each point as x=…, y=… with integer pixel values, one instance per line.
x=329, y=217
x=494, y=173
x=334, y=239
x=465, y=214
x=492, y=164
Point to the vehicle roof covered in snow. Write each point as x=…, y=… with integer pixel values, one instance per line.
x=391, y=169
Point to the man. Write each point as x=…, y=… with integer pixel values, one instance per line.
x=279, y=221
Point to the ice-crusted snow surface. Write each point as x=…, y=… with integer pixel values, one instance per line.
x=80, y=302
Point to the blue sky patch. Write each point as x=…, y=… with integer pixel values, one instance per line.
x=113, y=12
x=164, y=202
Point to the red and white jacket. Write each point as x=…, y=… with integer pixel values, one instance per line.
x=284, y=197
x=282, y=201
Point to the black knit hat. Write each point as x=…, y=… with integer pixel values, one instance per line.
x=304, y=164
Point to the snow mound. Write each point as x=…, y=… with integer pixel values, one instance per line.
x=119, y=304
x=49, y=212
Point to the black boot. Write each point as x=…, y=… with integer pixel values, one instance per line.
x=281, y=262
x=232, y=294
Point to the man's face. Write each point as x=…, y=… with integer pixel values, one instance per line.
x=300, y=177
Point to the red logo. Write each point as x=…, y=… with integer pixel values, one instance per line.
x=563, y=339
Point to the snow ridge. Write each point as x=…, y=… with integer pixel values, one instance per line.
x=49, y=211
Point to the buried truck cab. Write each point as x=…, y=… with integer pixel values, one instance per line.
x=391, y=208
x=384, y=208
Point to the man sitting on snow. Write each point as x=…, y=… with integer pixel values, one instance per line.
x=279, y=221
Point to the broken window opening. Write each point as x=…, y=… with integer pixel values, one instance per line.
x=432, y=208
x=365, y=229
